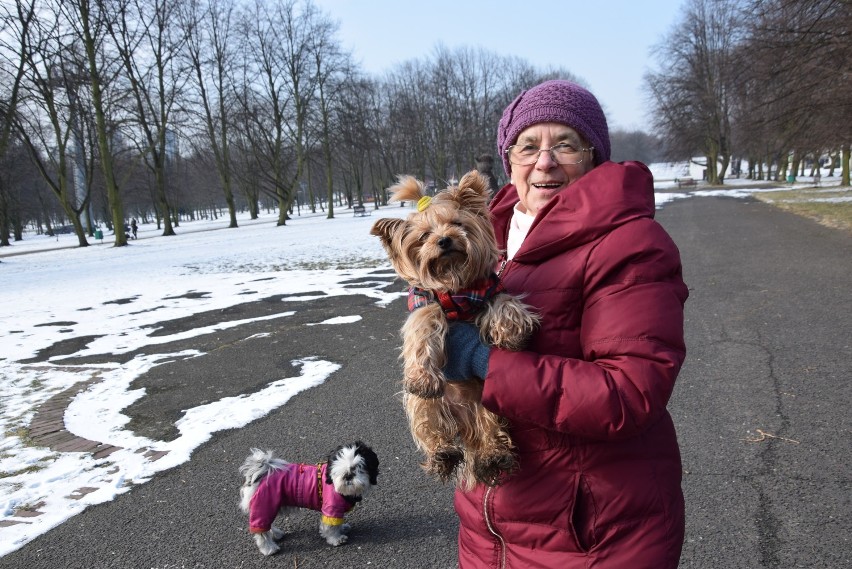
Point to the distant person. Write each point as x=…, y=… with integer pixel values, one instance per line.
x=599, y=471
x=133, y=227
x=817, y=177
x=485, y=166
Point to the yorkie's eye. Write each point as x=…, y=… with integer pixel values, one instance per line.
x=424, y=236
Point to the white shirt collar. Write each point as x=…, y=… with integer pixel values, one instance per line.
x=518, y=229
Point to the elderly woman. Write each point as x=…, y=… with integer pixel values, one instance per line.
x=599, y=475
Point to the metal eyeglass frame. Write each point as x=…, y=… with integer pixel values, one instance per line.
x=553, y=155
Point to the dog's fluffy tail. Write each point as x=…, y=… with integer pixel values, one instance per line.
x=257, y=465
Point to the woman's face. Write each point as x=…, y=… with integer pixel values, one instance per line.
x=537, y=183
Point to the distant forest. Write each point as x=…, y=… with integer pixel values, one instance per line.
x=168, y=110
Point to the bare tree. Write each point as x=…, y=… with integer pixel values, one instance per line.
x=211, y=45
x=89, y=21
x=444, y=110
x=798, y=94
x=360, y=136
x=50, y=114
x=279, y=88
x=148, y=41
x=14, y=27
x=635, y=145
x=331, y=70
x=693, y=88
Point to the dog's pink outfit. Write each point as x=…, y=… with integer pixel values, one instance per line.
x=299, y=486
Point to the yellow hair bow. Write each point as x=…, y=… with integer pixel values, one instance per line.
x=423, y=203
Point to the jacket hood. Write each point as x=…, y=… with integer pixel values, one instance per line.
x=604, y=198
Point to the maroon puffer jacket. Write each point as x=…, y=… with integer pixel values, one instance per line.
x=600, y=471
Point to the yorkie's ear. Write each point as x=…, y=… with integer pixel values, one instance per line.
x=385, y=229
x=472, y=191
x=407, y=188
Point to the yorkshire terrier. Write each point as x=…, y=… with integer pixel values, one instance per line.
x=447, y=253
x=333, y=487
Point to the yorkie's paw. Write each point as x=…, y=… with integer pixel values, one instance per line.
x=509, y=337
x=429, y=389
x=443, y=463
x=509, y=323
x=491, y=468
x=512, y=334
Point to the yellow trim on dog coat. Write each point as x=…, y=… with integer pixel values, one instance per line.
x=329, y=521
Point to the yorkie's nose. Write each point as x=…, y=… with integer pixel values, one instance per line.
x=445, y=242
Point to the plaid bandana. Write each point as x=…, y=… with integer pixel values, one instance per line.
x=463, y=304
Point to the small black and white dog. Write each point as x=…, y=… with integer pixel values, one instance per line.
x=273, y=485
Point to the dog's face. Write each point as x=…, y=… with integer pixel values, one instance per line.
x=353, y=469
x=448, y=244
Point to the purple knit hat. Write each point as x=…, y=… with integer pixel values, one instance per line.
x=557, y=101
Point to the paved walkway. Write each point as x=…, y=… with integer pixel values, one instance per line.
x=47, y=429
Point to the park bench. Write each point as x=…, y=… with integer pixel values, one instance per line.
x=686, y=182
x=361, y=211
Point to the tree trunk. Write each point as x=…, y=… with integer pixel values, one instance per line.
x=311, y=196
x=4, y=216
x=163, y=201
x=116, y=206
x=726, y=160
x=783, y=164
x=232, y=206
x=281, y=196
x=17, y=228
x=833, y=159
x=712, y=167
x=794, y=166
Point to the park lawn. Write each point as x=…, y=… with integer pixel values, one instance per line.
x=813, y=203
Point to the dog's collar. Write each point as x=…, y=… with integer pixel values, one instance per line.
x=463, y=304
x=319, y=480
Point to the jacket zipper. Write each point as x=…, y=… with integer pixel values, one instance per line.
x=502, y=267
x=491, y=528
x=491, y=488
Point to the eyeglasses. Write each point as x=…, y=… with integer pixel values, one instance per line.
x=525, y=154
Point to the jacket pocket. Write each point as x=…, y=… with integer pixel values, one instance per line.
x=583, y=521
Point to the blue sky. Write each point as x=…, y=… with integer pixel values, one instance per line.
x=604, y=42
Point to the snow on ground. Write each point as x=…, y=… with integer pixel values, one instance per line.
x=118, y=295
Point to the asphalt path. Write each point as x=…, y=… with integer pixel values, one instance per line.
x=762, y=410
x=763, y=403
